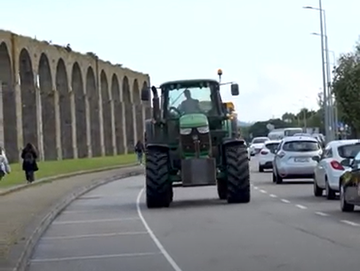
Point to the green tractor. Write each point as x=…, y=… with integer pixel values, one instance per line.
x=189, y=140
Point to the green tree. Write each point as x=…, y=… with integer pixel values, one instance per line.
x=346, y=88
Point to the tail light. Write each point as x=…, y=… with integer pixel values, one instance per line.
x=336, y=165
x=264, y=152
x=281, y=154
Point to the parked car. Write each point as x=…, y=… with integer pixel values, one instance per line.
x=267, y=154
x=257, y=144
x=350, y=185
x=332, y=164
x=293, y=158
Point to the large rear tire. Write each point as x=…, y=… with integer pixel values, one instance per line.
x=238, y=174
x=158, y=186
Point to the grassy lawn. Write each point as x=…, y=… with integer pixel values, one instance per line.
x=51, y=168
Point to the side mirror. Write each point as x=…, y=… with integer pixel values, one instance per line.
x=145, y=94
x=316, y=158
x=234, y=89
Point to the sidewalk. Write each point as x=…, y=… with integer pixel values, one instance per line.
x=22, y=211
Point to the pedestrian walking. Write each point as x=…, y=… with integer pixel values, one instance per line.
x=29, y=156
x=4, y=164
x=139, y=150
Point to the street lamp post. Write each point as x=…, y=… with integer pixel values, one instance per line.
x=332, y=123
x=328, y=130
x=332, y=106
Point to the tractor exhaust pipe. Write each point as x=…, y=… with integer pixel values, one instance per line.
x=156, y=104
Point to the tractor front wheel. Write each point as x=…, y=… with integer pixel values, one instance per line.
x=238, y=175
x=158, y=185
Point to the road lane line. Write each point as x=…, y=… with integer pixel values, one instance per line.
x=93, y=235
x=94, y=221
x=285, y=201
x=152, y=235
x=350, y=223
x=273, y=196
x=321, y=214
x=301, y=206
x=263, y=191
x=94, y=257
x=256, y=188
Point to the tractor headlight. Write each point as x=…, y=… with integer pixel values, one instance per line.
x=185, y=131
x=203, y=130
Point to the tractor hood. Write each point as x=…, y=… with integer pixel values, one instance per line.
x=193, y=121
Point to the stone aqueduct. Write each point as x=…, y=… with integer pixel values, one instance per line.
x=68, y=104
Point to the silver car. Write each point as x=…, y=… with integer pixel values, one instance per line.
x=294, y=158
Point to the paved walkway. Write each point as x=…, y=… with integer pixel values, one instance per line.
x=20, y=212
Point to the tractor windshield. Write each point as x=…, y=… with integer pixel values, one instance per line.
x=187, y=100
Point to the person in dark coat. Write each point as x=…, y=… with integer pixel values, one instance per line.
x=29, y=156
x=139, y=150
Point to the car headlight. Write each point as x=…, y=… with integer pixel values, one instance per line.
x=185, y=131
x=203, y=130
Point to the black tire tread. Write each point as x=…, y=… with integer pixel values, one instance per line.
x=158, y=187
x=238, y=174
x=318, y=192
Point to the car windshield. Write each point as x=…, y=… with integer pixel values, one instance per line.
x=259, y=140
x=193, y=99
x=348, y=151
x=272, y=146
x=301, y=146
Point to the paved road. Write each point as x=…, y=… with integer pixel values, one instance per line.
x=283, y=228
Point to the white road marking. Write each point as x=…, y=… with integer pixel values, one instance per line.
x=273, y=196
x=256, y=188
x=263, y=191
x=94, y=257
x=94, y=221
x=94, y=235
x=321, y=214
x=285, y=200
x=152, y=235
x=301, y=206
x=350, y=223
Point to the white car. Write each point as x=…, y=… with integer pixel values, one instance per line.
x=332, y=164
x=267, y=154
x=294, y=158
x=257, y=144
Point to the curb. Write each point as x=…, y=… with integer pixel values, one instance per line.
x=62, y=176
x=22, y=263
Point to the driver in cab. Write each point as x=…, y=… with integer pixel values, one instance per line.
x=190, y=105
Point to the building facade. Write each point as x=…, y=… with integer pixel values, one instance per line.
x=69, y=105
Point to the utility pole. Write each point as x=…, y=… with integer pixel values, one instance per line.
x=326, y=108
x=332, y=125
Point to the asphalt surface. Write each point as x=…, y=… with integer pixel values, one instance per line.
x=284, y=227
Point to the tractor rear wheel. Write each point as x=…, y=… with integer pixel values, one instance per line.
x=238, y=175
x=158, y=186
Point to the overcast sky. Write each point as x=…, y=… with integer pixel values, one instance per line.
x=264, y=45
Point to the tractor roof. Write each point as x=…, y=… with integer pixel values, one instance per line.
x=188, y=82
